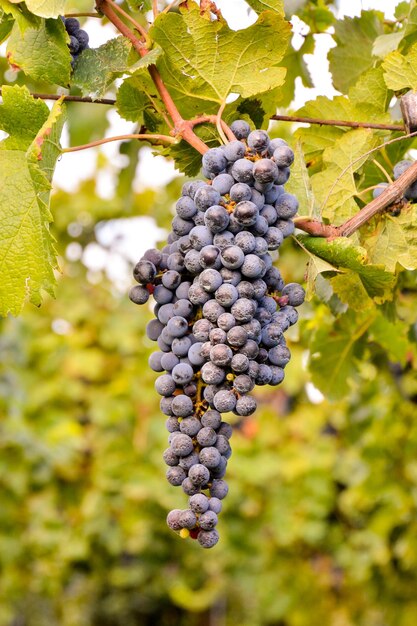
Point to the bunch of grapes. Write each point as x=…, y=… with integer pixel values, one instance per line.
x=78, y=37
x=221, y=312
x=410, y=194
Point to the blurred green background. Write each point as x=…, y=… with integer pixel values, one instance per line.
x=320, y=525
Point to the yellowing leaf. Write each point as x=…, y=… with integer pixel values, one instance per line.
x=27, y=160
x=335, y=186
x=400, y=71
x=390, y=240
x=46, y=8
x=267, y=5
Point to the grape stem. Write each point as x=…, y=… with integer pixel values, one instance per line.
x=136, y=24
x=182, y=128
x=219, y=122
x=95, y=14
x=154, y=139
x=392, y=194
x=212, y=119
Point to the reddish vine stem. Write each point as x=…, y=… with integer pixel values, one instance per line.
x=136, y=24
x=154, y=139
x=316, y=120
x=52, y=96
x=393, y=193
x=182, y=127
x=212, y=119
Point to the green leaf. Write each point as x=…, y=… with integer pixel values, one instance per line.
x=187, y=159
x=316, y=268
x=132, y=99
x=392, y=337
x=350, y=290
x=334, y=350
x=390, y=240
x=6, y=25
x=267, y=5
x=41, y=52
x=294, y=62
x=317, y=15
x=204, y=61
x=149, y=59
x=353, y=54
x=96, y=68
x=384, y=44
x=316, y=138
x=20, y=13
x=27, y=160
x=370, y=95
x=299, y=183
x=335, y=186
x=46, y=8
x=342, y=254
x=21, y=116
x=400, y=71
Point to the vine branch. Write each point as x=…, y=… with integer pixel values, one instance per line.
x=322, y=122
x=136, y=24
x=50, y=96
x=155, y=139
x=181, y=126
x=393, y=193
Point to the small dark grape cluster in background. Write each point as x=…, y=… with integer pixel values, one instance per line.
x=78, y=37
x=410, y=194
x=221, y=312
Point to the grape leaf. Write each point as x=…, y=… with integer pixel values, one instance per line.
x=334, y=351
x=392, y=337
x=335, y=186
x=138, y=101
x=384, y=44
x=390, y=240
x=371, y=96
x=46, y=8
x=149, y=59
x=342, y=254
x=353, y=53
x=96, y=68
x=350, y=290
x=316, y=267
x=27, y=159
x=204, y=61
x=20, y=13
x=294, y=62
x=299, y=183
x=187, y=159
x=132, y=98
x=267, y=5
x=400, y=71
x=6, y=25
x=316, y=138
x=41, y=52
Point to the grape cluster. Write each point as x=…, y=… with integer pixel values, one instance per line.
x=410, y=194
x=221, y=312
x=78, y=37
